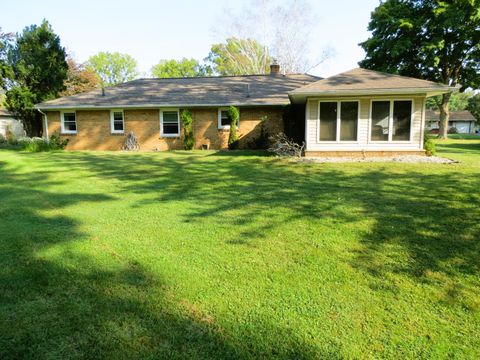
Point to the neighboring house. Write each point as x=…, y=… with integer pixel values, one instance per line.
x=463, y=121
x=356, y=112
x=8, y=124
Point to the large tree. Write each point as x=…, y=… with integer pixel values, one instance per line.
x=179, y=68
x=113, y=68
x=239, y=57
x=458, y=101
x=38, y=70
x=474, y=107
x=79, y=79
x=5, y=69
x=430, y=39
x=284, y=27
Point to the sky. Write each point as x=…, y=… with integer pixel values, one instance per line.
x=152, y=30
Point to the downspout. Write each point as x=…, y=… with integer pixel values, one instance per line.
x=45, y=117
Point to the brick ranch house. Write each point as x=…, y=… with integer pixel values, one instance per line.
x=359, y=111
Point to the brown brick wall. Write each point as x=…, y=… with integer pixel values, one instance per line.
x=93, y=128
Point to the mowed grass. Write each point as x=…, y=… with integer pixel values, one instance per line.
x=210, y=255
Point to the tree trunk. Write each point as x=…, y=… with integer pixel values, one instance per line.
x=444, y=116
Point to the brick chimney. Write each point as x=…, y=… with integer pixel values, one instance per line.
x=274, y=68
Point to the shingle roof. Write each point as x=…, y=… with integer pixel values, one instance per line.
x=463, y=115
x=199, y=91
x=367, y=80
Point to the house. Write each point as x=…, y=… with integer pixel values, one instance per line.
x=357, y=111
x=9, y=126
x=463, y=121
x=364, y=112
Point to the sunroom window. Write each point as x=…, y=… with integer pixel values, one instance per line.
x=391, y=120
x=338, y=120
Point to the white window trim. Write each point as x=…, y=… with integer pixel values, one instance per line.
x=226, y=127
x=161, y=123
x=390, y=122
x=338, y=123
x=62, y=122
x=112, y=128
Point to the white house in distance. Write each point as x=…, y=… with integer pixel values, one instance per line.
x=463, y=121
x=9, y=124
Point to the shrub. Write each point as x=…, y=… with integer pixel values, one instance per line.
x=3, y=141
x=232, y=136
x=429, y=144
x=36, y=144
x=55, y=143
x=453, y=130
x=188, y=138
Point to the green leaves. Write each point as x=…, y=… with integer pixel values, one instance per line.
x=188, y=138
x=113, y=68
x=180, y=68
x=239, y=57
x=234, y=115
x=36, y=72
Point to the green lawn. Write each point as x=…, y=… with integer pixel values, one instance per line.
x=209, y=255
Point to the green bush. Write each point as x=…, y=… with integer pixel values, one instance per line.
x=232, y=136
x=37, y=144
x=188, y=138
x=453, y=130
x=429, y=144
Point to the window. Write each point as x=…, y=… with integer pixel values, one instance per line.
x=69, y=122
x=391, y=120
x=224, y=119
x=116, y=121
x=169, y=123
x=380, y=120
x=338, y=120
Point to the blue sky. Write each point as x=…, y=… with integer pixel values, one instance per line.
x=153, y=30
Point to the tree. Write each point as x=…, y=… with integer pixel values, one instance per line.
x=239, y=57
x=474, y=106
x=429, y=39
x=5, y=69
x=458, y=101
x=275, y=24
x=179, y=68
x=38, y=70
x=79, y=79
x=113, y=68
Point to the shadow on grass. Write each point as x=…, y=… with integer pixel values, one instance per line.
x=80, y=309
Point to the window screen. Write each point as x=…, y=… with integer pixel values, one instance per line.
x=380, y=120
x=402, y=116
x=348, y=121
x=170, y=123
x=328, y=121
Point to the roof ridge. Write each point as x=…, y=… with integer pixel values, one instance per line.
x=223, y=76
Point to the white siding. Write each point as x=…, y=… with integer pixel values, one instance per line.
x=363, y=142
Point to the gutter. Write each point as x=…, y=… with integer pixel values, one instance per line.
x=397, y=91
x=45, y=117
x=153, y=106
